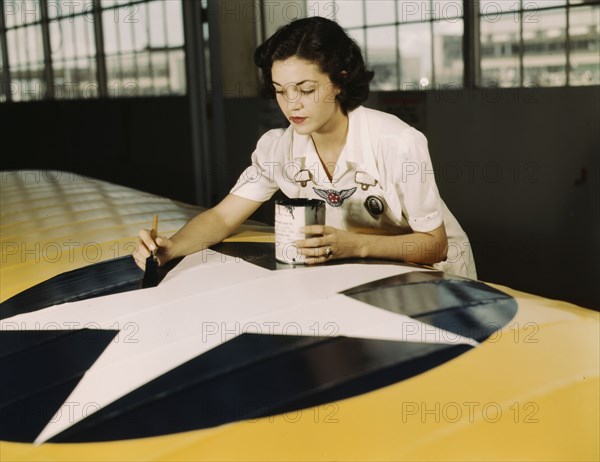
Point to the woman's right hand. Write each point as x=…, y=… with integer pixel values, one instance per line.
x=145, y=245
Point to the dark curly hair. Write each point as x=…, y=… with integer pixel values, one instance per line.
x=325, y=43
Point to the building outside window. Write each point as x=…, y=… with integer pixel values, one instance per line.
x=52, y=49
x=67, y=49
x=540, y=43
x=411, y=45
x=417, y=44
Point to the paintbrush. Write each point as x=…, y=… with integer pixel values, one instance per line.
x=151, y=272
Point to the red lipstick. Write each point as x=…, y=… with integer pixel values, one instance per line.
x=297, y=120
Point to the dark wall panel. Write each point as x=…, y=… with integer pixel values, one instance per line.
x=519, y=168
x=143, y=143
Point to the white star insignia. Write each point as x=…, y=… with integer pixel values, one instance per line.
x=208, y=299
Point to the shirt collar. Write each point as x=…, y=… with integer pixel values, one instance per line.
x=358, y=150
x=357, y=142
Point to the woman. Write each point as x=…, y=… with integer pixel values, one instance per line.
x=372, y=169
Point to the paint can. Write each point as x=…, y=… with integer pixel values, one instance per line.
x=290, y=216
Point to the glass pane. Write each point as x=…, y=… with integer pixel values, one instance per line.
x=350, y=13
x=415, y=56
x=381, y=12
x=35, y=47
x=66, y=81
x=61, y=8
x=177, y=72
x=63, y=39
x=161, y=76
x=109, y=3
x=90, y=43
x=56, y=46
x=29, y=11
x=113, y=70
x=144, y=81
x=16, y=47
x=11, y=15
x=359, y=37
x=174, y=21
x=111, y=45
x=128, y=67
x=446, y=9
x=27, y=83
x=87, y=78
x=157, y=26
x=585, y=46
x=324, y=8
x=140, y=29
x=381, y=51
x=500, y=52
x=448, y=53
x=79, y=26
x=31, y=89
x=414, y=11
x=495, y=7
x=531, y=5
x=125, y=35
x=15, y=83
x=544, y=54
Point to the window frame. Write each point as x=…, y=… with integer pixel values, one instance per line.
x=94, y=10
x=472, y=18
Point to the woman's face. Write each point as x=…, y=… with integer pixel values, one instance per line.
x=306, y=96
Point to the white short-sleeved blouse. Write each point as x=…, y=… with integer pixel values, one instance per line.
x=383, y=182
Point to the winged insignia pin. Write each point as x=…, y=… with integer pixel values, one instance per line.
x=335, y=198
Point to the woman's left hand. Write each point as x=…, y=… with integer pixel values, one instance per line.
x=329, y=243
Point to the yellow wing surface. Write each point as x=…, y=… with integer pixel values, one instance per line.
x=528, y=392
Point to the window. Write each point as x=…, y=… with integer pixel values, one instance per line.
x=66, y=49
x=23, y=40
x=540, y=43
x=144, y=47
x=418, y=44
x=72, y=50
x=411, y=45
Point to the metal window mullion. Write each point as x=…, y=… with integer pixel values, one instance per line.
x=217, y=94
x=5, y=63
x=27, y=61
x=48, y=68
x=263, y=30
x=88, y=47
x=119, y=55
x=471, y=45
x=101, y=74
x=568, y=45
x=135, y=54
x=397, y=46
x=432, y=46
x=196, y=89
x=364, y=29
x=167, y=45
x=149, y=37
x=63, y=59
x=75, y=58
x=521, y=46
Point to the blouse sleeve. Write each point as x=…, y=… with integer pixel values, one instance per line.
x=415, y=181
x=257, y=182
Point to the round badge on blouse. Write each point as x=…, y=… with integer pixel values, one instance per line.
x=374, y=205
